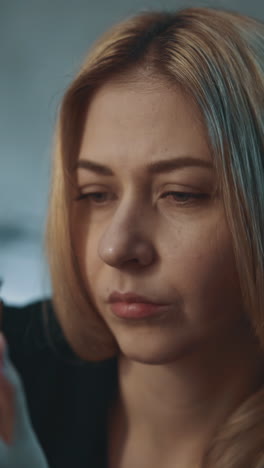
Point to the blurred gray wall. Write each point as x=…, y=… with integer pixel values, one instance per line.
x=42, y=43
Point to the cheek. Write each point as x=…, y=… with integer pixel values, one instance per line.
x=85, y=242
x=201, y=269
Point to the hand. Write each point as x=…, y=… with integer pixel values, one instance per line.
x=19, y=447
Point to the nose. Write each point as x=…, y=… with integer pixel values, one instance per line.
x=127, y=239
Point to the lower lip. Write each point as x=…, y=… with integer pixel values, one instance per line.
x=137, y=310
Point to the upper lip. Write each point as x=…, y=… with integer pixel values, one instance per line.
x=115, y=296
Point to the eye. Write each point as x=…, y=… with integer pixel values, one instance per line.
x=96, y=197
x=184, y=197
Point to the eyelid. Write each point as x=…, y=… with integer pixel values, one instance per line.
x=94, y=186
x=192, y=197
x=199, y=185
x=165, y=186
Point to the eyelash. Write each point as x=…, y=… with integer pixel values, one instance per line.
x=194, y=196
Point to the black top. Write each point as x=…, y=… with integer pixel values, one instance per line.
x=68, y=398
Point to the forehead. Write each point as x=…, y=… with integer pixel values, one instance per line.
x=138, y=123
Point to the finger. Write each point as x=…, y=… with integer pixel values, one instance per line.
x=2, y=342
x=7, y=412
x=22, y=449
x=7, y=398
x=19, y=416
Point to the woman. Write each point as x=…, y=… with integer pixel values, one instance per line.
x=155, y=246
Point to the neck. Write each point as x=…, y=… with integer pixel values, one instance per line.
x=166, y=407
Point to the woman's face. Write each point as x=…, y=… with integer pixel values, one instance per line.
x=136, y=235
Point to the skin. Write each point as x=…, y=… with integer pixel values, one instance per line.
x=181, y=374
x=6, y=397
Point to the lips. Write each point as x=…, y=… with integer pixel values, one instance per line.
x=130, y=297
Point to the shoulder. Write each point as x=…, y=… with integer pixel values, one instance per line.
x=23, y=326
x=35, y=338
x=44, y=359
x=21, y=314
x=63, y=392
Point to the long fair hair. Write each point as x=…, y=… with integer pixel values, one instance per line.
x=216, y=57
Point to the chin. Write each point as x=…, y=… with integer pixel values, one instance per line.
x=155, y=354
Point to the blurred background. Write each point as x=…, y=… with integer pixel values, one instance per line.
x=43, y=42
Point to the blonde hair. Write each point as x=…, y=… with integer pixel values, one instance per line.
x=216, y=57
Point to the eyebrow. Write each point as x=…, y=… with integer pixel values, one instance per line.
x=157, y=167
